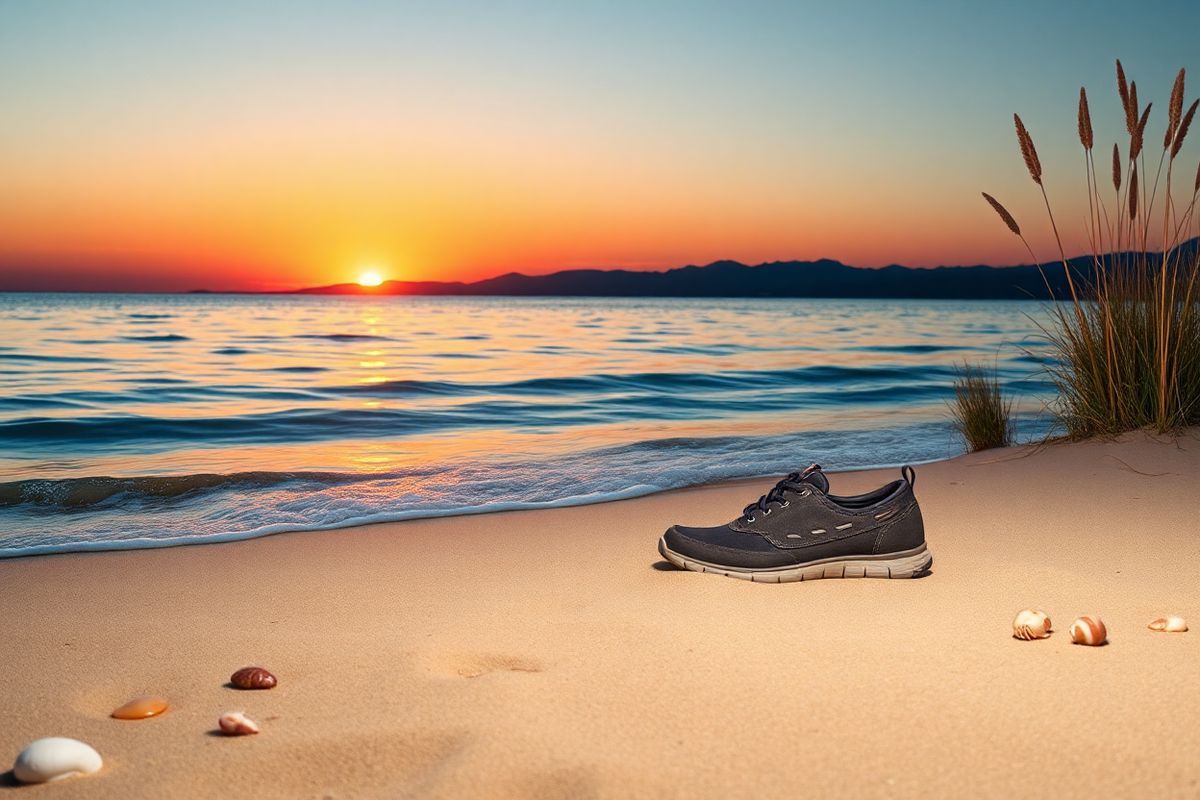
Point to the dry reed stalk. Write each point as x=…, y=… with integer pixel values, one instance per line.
x=1085, y=121
x=1133, y=193
x=1139, y=134
x=1174, y=110
x=1131, y=113
x=1182, y=133
x=1028, y=151
x=1116, y=167
x=1123, y=91
x=1003, y=212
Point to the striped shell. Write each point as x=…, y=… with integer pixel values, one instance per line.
x=235, y=723
x=252, y=678
x=1030, y=624
x=1089, y=631
x=1171, y=624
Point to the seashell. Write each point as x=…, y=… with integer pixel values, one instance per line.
x=1171, y=624
x=235, y=723
x=55, y=758
x=140, y=708
x=1089, y=631
x=252, y=678
x=1031, y=624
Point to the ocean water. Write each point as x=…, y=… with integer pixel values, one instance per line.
x=156, y=420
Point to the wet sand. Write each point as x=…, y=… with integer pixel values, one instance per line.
x=553, y=654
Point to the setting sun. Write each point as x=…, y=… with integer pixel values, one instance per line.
x=370, y=278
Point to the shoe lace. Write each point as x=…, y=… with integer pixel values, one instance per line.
x=793, y=482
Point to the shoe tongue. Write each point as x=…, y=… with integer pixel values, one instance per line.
x=813, y=474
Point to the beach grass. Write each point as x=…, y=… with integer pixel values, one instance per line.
x=980, y=411
x=1124, y=346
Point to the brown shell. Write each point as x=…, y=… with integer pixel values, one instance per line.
x=141, y=708
x=252, y=678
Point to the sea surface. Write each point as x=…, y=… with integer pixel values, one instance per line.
x=154, y=420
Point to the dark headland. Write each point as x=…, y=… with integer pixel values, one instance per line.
x=823, y=278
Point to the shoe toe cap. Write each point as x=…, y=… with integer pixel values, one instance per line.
x=722, y=546
x=687, y=541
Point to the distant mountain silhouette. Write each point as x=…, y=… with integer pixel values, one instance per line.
x=824, y=278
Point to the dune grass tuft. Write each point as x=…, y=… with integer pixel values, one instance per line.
x=1125, y=345
x=980, y=412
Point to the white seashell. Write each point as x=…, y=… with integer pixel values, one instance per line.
x=1171, y=624
x=1031, y=624
x=1089, y=630
x=54, y=758
x=235, y=723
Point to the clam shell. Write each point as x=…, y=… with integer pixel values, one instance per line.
x=1089, y=630
x=55, y=758
x=1170, y=624
x=140, y=708
x=235, y=723
x=1031, y=624
x=252, y=678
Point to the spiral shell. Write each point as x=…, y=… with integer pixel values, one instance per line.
x=1089, y=630
x=55, y=758
x=235, y=723
x=1170, y=624
x=1030, y=624
x=252, y=678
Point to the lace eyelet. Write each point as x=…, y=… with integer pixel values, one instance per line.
x=786, y=503
x=768, y=513
x=750, y=520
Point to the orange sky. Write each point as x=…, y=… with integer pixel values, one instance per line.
x=163, y=149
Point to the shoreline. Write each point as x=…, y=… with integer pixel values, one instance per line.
x=551, y=653
x=398, y=517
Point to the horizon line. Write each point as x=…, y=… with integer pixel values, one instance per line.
x=379, y=290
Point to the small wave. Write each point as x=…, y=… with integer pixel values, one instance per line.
x=294, y=425
x=910, y=348
x=79, y=493
x=50, y=359
x=29, y=402
x=231, y=351
x=151, y=316
x=344, y=337
x=661, y=382
x=165, y=337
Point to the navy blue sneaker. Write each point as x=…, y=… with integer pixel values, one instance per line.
x=798, y=531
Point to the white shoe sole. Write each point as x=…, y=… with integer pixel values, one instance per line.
x=907, y=564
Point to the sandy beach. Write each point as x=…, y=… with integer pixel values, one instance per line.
x=553, y=654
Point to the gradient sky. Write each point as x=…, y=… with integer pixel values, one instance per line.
x=161, y=145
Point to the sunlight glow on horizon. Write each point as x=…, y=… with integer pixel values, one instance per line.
x=370, y=278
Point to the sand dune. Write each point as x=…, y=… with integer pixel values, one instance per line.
x=552, y=653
